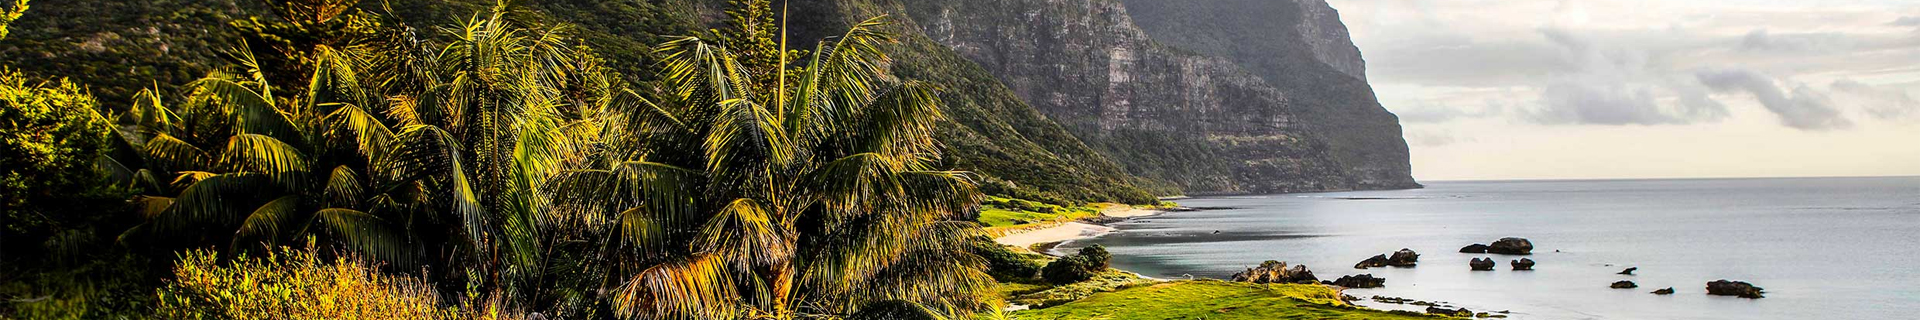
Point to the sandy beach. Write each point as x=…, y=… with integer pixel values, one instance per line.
x=1074, y=230
x=1063, y=232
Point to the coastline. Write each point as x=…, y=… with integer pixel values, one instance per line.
x=1075, y=230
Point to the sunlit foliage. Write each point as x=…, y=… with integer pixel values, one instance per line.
x=300, y=284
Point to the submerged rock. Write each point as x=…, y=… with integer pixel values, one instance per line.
x=1511, y=245
x=1629, y=271
x=1362, y=281
x=1404, y=258
x=1667, y=291
x=1734, y=288
x=1623, y=284
x=1523, y=264
x=1375, y=262
x=1481, y=264
x=1276, y=272
x=1474, y=248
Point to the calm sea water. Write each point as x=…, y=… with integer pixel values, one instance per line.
x=1824, y=248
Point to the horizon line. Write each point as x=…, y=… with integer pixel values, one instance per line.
x=1667, y=178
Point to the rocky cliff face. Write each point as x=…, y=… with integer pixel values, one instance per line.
x=1194, y=113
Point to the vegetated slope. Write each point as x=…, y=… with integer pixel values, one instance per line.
x=1202, y=122
x=994, y=131
x=120, y=47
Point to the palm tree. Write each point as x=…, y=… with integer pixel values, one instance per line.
x=237, y=165
x=722, y=201
x=433, y=159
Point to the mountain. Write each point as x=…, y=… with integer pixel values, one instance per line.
x=1214, y=96
x=1053, y=100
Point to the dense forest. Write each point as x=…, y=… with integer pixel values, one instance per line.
x=342, y=162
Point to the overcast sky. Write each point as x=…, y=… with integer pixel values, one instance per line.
x=1532, y=89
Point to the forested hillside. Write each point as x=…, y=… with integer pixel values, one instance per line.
x=119, y=47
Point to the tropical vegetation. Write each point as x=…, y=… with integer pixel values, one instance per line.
x=499, y=158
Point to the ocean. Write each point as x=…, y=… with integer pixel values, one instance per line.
x=1823, y=248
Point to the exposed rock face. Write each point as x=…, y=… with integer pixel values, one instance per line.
x=1522, y=264
x=1667, y=291
x=1511, y=246
x=1623, y=284
x=1474, y=248
x=1481, y=264
x=1360, y=281
x=1629, y=271
x=1377, y=261
x=1204, y=122
x=1734, y=288
x=1276, y=272
x=1404, y=258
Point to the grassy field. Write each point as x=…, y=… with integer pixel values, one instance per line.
x=1214, y=300
x=999, y=212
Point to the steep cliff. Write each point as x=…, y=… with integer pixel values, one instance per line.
x=1192, y=113
x=1301, y=48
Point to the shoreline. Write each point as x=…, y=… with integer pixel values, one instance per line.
x=1077, y=230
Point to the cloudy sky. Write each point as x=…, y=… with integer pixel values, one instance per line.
x=1532, y=89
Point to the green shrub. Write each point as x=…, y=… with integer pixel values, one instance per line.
x=1079, y=267
x=1006, y=265
x=1098, y=256
x=295, y=284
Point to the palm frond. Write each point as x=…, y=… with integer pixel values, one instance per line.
x=368, y=234
x=268, y=156
x=701, y=287
x=267, y=223
x=744, y=232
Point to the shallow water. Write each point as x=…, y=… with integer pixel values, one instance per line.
x=1824, y=248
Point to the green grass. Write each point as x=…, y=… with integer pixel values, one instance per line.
x=1042, y=295
x=1214, y=300
x=998, y=212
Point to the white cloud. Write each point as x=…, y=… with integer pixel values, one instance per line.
x=1803, y=108
x=1878, y=102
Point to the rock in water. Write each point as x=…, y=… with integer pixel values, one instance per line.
x=1667, y=291
x=1360, y=281
x=1623, y=284
x=1481, y=264
x=1734, y=288
x=1511, y=245
x=1375, y=262
x=1276, y=272
x=1629, y=271
x=1522, y=264
x=1404, y=258
x=1474, y=248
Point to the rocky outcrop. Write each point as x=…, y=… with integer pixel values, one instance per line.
x=1511, y=246
x=1624, y=284
x=1628, y=271
x=1734, y=288
x=1523, y=264
x=1203, y=123
x=1474, y=248
x=1377, y=261
x=1481, y=264
x=1461, y=312
x=1276, y=272
x=1404, y=258
x=1667, y=291
x=1362, y=281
